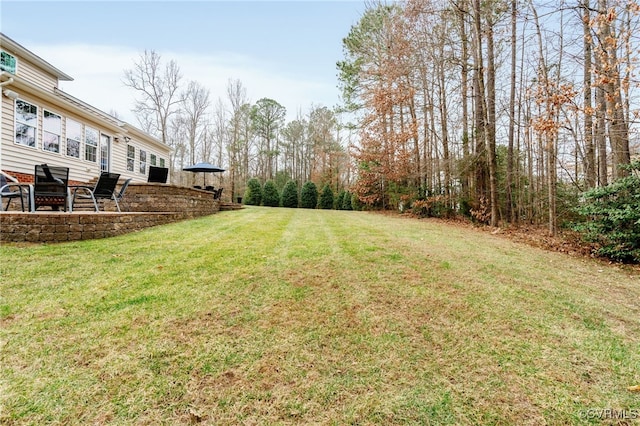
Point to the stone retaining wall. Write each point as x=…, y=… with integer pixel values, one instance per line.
x=153, y=197
x=144, y=205
x=48, y=227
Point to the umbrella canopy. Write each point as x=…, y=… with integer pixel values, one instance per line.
x=204, y=168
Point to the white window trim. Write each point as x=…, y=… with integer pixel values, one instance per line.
x=96, y=146
x=80, y=141
x=146, y=162
x=15, y=124
x=59, y=134
x=132, y=158
x=15, y=58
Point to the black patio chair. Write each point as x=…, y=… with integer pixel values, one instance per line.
x=120, y=195
x=11, y=188
x=50, y=187
x=217, y=194
x=158, y=174
x=103, y=190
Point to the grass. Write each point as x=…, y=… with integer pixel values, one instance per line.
x=291, y=316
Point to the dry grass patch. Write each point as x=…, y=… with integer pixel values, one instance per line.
x=286, y=316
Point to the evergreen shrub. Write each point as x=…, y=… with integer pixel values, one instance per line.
x=290, y=195
x=270, y=194
x=612, y=218
x=340, y=199
x=253, y=194
x=309, y=196
x=346, y=202
x=326, y=198
x=355, y=202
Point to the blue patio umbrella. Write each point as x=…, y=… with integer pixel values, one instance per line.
x=204, y=168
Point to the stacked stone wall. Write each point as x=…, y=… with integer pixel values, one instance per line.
x=144, y=206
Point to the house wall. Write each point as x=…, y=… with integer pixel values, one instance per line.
x=18, y=158
x=36, y=84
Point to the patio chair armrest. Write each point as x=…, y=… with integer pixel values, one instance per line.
x=23, y=187
x=74, y=188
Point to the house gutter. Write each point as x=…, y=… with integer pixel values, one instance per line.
x=57, y=96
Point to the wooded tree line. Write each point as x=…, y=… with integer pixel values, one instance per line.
x=504, y=110
x=248, y=139
x=501, y=110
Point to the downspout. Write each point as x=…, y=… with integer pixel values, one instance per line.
x=9, y=81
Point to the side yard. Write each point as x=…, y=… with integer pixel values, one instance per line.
x=294, y=316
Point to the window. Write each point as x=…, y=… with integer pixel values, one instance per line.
x=131, y=158
x=162, y=162
x=105, y=150
x=51, y=130
x=74, y=138
x=7, y=62
x=143, y=162
x=152, y=159
x=90, y=144
x=26, y=122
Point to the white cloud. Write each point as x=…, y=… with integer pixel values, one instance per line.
x=98, y=73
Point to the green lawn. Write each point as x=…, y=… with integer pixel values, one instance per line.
x=291, y=316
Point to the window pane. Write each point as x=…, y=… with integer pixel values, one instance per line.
x=7, y=62
x=91, y=144
x=52, y=123
x=50, y=142
x=74, y=130
x=91, y=136
x=131, y=157
x=26, y=135
x=143, y=162
x=90, y=153
x=26, y=113
x=105, y=142
x=73, y=148
x=74, y=138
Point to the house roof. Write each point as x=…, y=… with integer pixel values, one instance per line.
x=13, y=46
x=60, y=97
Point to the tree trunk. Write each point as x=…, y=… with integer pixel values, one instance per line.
x=491, y=126
x=600, y=131
x=464, y=83
x=589, y=157
x=480, y=109
x=511, y=212
x=614, y=107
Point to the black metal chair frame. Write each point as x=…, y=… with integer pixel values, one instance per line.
x=217, y=193
x=120, y=195
x=104, y=189
x=10, y=188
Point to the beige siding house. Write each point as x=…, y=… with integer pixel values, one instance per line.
x=42, y=124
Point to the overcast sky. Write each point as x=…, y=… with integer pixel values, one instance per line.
x=284, y=50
